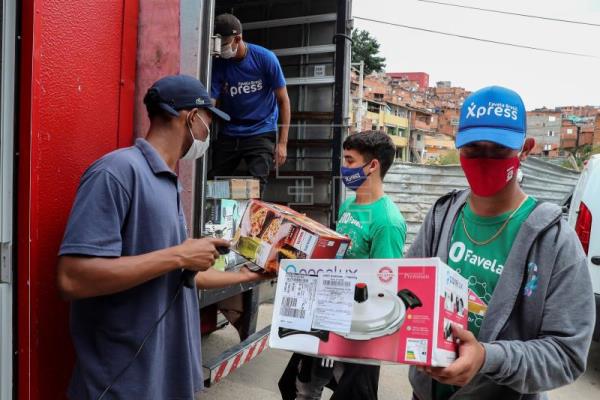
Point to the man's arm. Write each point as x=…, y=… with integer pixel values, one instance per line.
x=283, y=102
x=85, y=276
x=556, y=357
x=213, y=279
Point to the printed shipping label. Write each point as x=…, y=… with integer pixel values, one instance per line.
x=296, y=310
x=334, y=302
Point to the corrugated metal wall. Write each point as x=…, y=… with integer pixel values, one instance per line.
x=415, y=187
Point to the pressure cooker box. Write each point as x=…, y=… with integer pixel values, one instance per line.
x=270, y=232
x=370, y=311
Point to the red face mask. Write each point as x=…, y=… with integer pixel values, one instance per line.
x=488, y=176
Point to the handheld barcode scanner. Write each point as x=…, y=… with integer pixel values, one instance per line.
x=188, y=276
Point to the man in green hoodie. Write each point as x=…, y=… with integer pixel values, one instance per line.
x=531, y=305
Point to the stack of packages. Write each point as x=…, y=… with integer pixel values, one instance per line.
x=227, y=200
x=365, y=311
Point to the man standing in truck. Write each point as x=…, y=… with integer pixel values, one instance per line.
x=248, y=84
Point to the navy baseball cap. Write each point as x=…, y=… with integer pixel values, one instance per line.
x=493, y=114
x=181, y=92
x=227, y=25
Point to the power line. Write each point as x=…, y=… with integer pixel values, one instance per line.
x=522, y=46
x=569, y=21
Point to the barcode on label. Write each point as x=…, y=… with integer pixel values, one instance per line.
x=288, y=309
x=290, y=302
x=337, y=282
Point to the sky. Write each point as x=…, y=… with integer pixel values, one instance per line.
x=542, y=79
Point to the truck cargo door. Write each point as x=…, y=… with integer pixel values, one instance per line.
x=7, y=97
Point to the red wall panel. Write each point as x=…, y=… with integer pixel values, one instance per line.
x=76, y=105
x=158, y=52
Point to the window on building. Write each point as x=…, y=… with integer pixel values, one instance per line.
x=418, y=136
x=551, y=118
x=378, y=96
x=547, y=147
x=551, y=133
x=570, y=131
x=373, y=107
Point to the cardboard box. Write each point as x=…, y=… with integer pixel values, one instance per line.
x=271, y=232
x=370, y=311
x=236, y=189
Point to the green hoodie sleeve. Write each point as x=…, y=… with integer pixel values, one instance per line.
x=388, y=241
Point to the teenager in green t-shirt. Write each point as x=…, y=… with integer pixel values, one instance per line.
x=377, y=229
x=530, y=299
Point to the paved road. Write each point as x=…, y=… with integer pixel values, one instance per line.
x=258, y=380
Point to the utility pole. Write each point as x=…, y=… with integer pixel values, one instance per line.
x=361, y=79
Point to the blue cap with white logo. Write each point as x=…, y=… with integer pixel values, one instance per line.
x=493, y=114
x=181, y=92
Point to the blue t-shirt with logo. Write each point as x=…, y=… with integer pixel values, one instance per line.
x=246, y=90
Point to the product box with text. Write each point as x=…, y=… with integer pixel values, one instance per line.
x=270, y=232
x=222, y=219
x=369, y=311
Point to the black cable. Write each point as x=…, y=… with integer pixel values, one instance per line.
x=477, y=39
x=569, y=21
x=146, y=337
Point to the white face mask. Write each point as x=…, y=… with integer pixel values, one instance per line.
x=198, y=147
x=227, y=51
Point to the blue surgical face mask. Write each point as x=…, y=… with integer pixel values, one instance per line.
x=353, y=178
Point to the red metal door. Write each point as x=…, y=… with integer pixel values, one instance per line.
x=78, y=63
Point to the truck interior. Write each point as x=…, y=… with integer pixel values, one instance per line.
x=311, y=41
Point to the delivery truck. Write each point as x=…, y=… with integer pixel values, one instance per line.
x=72, y=82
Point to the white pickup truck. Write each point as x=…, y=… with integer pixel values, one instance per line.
x=584, y=217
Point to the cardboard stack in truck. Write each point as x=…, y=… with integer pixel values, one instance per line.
x=370, y=311
x=236, y=189
x=269, y=233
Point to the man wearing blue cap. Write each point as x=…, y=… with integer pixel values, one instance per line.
x=531, y=305
x=248, y=83
x=124, y=256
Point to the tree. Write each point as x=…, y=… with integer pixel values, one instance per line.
x=366, y=48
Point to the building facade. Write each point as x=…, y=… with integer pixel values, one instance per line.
x=545, y=126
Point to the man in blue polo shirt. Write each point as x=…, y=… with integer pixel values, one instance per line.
x=135, y=325
x=248, y=84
